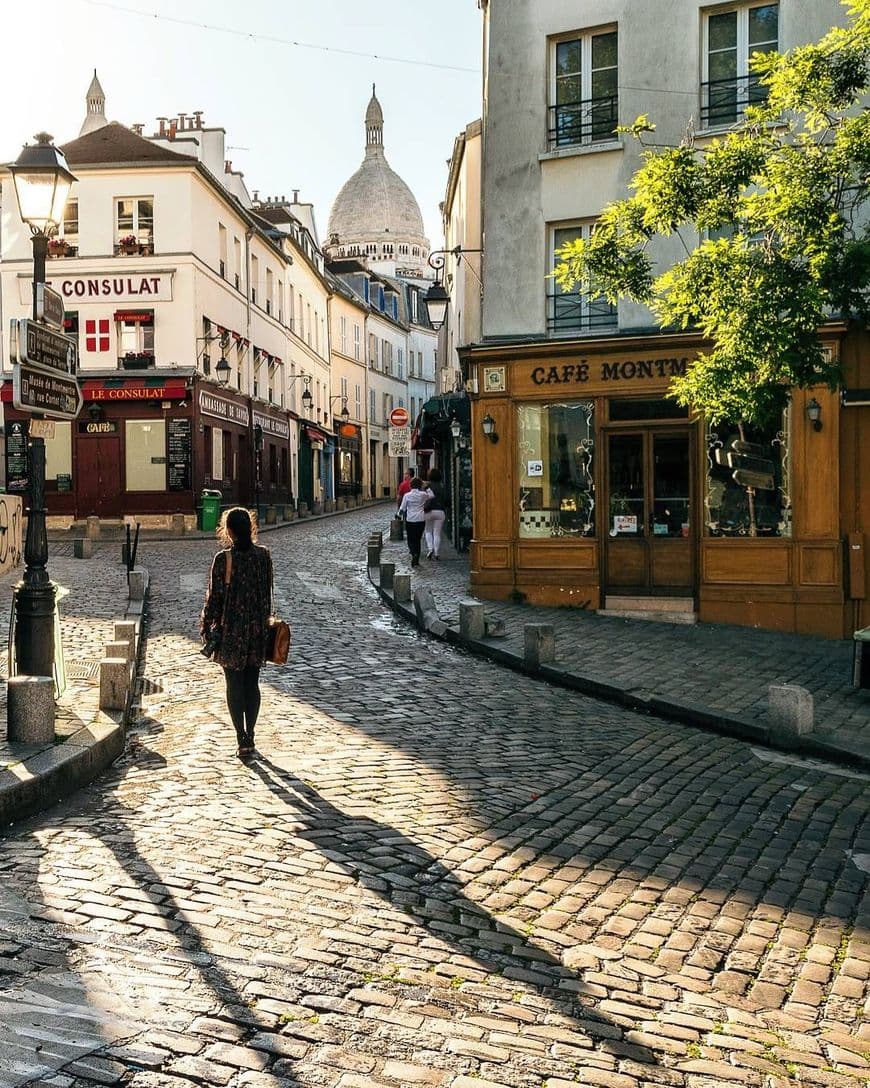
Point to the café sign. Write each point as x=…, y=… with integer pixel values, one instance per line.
x=611, y=371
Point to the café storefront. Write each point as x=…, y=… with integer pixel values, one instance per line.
x=593, y=489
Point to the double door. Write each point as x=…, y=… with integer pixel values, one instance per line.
x=98, y=467
x=649, y=540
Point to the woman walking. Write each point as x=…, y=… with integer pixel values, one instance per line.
x=415, y=517
x=234, y=620
x=435, y=510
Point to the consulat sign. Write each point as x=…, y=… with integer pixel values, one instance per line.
x=153, y=287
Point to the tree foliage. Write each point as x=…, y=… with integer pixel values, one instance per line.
x=770, y=215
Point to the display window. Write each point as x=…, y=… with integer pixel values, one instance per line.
x=555, y=469
x=145, y=460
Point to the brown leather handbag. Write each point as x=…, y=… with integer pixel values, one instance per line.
x=277, y=641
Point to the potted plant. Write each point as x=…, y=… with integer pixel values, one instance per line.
x=128, y=244
x=57, y=247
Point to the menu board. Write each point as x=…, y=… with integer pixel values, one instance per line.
x=17, y=477
x=180, y=454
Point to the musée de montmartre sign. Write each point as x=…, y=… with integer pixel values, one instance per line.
x=154, y=287
x=617, y=370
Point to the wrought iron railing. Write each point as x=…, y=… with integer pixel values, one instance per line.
x=570, y=314
x=136, y=360
x=571, y=124
x=723, y=101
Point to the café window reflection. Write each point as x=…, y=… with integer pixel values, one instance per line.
x=555, y=451
x=748, y=489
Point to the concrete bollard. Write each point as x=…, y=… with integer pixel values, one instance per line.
x=118, y=649
x=790, y=710
x=138, y=583
x=93, y=528
x=83, y=549
x=30, y=709
x=387, y=573
x=271, y=515
x=378, y=536
x=125, y=631
x=472, y=619
x=114, y=683
x=177, y=525
x=329, y=506
x=374, y=559
x=539, y=643
x=303, y=510
x=401, y=587
x=397, y=529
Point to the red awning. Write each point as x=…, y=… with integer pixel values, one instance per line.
x=315, y=434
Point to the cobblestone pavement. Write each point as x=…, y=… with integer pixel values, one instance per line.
x=722, y=667
x=436, y=873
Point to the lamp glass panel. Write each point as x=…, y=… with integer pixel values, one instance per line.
x=36, y=199
x=58, y=204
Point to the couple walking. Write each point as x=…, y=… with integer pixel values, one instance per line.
x=424, y=510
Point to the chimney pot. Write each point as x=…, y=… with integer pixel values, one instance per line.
x=162, y=121
x=172, y=129
x=228, y=166
x=182, y=117
x=295, y=196
x=197, y=118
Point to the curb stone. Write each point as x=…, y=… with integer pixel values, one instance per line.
x=671, y=709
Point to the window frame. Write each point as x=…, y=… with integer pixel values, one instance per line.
x=585, y=327
x=743, y=53
x=585, y=38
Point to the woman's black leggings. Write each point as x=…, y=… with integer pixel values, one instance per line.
x=243, y=701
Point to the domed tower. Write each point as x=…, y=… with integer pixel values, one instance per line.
x=375, y=217
x=95, y=116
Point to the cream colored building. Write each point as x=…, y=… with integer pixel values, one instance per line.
x=348, y=314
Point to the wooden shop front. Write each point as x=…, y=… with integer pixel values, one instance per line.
x=594, y=488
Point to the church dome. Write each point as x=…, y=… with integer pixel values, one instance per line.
x=375, y=215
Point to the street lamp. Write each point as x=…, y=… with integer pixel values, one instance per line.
x=42, y=181
x=344, y=413
x=223, y=370
x=307, y=398
x=436, y=298
x=258, y=462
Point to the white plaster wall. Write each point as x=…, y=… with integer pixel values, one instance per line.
x=526, y=188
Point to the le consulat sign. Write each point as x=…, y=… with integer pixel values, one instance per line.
x=106, y=287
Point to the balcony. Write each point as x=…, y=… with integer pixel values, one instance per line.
x=126, y=247
x=136, y=360
x=574, y=315
x=724, y=101
x=576, y=124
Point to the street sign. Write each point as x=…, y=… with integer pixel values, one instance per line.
x=41, y=428
x=53, y=394
x=43, y=348
x=746, y=478
x=49, y=306
x=399, y=417
x=400, y=442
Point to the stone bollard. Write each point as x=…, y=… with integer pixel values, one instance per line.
x=93, y=529
x=303, y=510
x=137, y=583
x=379, y=537
x=539, y=643
x=397, y=529
x=178, y=525
x=271, y=515
x=374, y=551
x=387, y=573
x=83, y=549
x=790, y=710
x=401, y=587
x=329, y=506
x=118, y=649
x=125, y=631
x=472, y=619
x=30, y=709
x=428, y=618
x=114, y=683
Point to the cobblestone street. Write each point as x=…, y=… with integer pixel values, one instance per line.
x=437, y=872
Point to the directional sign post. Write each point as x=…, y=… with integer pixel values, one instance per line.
x=49, y=306
x=45, y=348
x=55, y=395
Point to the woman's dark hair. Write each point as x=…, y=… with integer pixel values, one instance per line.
x=434, y=476
x=238, y=527
x=416, y=483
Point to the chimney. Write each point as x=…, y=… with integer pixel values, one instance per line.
x=162, y=121
x=172, y=129
x=197, y=118
x=228, y=166
x=295, y=196
x=256, y=196
x=182, y=117
x=137, y=129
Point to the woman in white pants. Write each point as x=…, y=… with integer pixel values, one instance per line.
x=435, y=513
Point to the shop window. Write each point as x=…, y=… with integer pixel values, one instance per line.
x=555, y=468
x=573, y=312
x=145, y=454
x=584, y=103
x=58, y=456
x=217, y=453
x=626, y=409
x=134, y=225
x=731, y=37
x=748, y=486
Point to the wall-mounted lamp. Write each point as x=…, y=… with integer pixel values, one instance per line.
x=487, y=425
x=95, y=412
x=223, y=371
x=307, y=398
x=455, y=427
x=344, y=413
x=814, y=414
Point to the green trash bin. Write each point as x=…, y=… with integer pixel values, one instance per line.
x=211, y=511
x=861, y=659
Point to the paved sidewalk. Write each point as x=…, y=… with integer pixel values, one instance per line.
x=711, y=675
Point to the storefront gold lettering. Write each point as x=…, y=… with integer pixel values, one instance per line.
x=625, y=370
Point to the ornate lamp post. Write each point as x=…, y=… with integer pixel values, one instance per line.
x=42, y=181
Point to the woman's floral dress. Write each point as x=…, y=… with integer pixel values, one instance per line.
x=241, y=609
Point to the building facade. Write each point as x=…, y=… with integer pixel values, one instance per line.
x=599, y=490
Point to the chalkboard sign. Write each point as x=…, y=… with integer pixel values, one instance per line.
x=17, y=477
x=64, y=481
x=180, y=454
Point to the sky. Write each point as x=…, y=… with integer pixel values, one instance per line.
x=293, y=114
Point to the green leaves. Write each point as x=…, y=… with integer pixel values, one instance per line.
x=770, y=214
